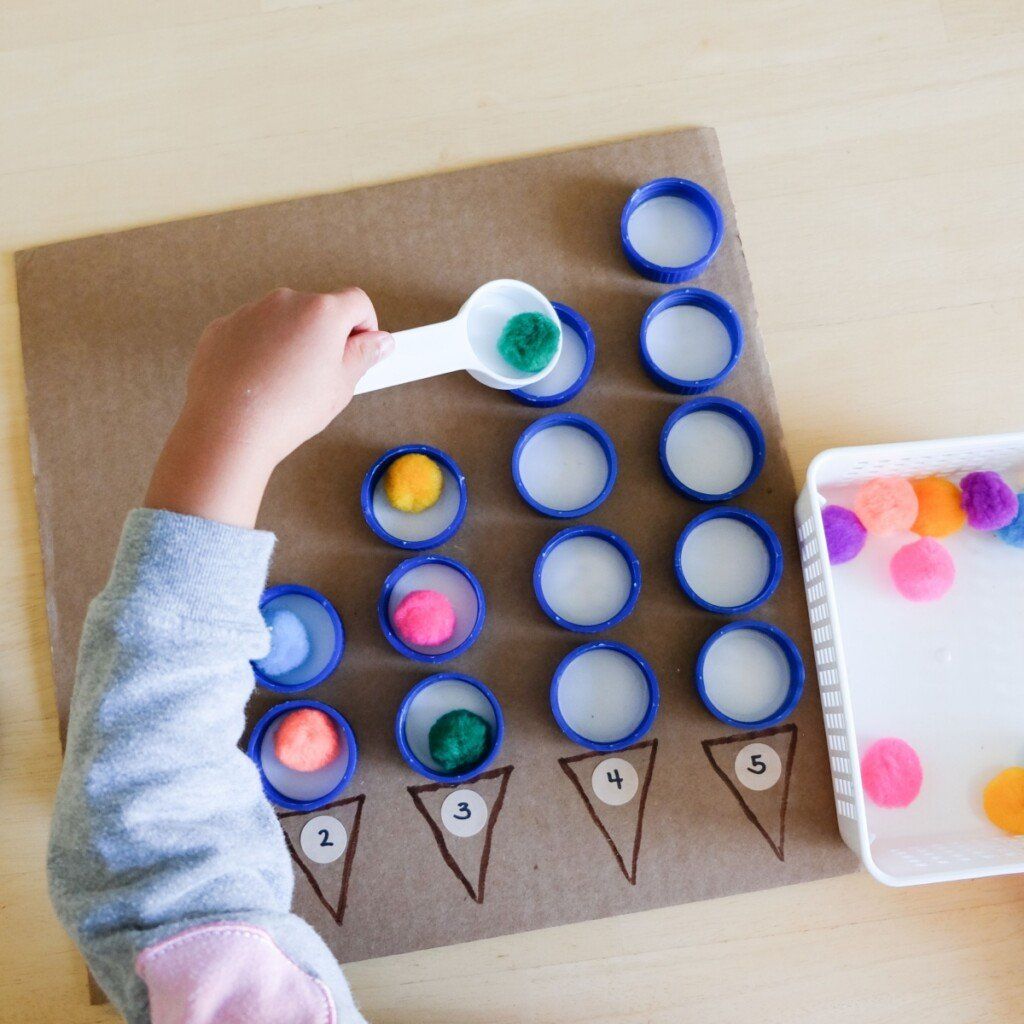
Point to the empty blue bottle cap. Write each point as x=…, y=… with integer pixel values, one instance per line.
x=671, y=229
x=728, y=560
x=690, y=340
x=712, y=449
x=749, y=675
x=604, y=696
x=586, y=579
x=564, y=465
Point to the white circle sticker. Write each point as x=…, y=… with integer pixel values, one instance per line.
x=464, y=813
x=758, y=766
x=615, y=781
x=323, y=839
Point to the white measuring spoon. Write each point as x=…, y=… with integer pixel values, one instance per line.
x=468, y=342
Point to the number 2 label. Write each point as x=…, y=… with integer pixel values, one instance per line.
x=323, y=839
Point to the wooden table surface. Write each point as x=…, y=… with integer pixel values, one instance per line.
x=875, y=150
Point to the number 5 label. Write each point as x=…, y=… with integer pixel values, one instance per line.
x=758, y=766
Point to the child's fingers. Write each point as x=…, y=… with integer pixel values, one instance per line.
x=363, y=350
x=357, y=308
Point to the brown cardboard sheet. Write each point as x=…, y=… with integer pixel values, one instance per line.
x=108, y=324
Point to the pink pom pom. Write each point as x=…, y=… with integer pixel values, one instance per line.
x=923, y=571
x=424, y=618
x=886, y=504
x=891, y=773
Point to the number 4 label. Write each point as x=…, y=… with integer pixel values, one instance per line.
x=615, y=781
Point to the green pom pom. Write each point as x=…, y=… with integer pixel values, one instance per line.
x=529, y=341
x=459, y=740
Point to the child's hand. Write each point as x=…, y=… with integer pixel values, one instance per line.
x=263, y=380
x=276, y=372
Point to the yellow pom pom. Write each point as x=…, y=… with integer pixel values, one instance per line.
x=939, y=512
x=413, y=482
x=1004, y=801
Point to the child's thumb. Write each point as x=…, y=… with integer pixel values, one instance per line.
x=365, y=349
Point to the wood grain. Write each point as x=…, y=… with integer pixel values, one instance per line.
x=875, y=156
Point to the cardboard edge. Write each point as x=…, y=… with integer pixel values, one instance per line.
x=24, y=255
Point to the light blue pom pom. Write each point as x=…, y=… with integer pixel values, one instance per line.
x=289, y=643
x=1014, y=533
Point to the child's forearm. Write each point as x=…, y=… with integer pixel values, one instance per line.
x=205, y=473
x=160, y=823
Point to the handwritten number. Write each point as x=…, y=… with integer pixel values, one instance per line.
x=757, y=765
x=615, y=777
x=464, y=813
x=325, y=837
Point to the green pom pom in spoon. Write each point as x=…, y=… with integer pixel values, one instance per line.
x=529, y=342
x=472, y=341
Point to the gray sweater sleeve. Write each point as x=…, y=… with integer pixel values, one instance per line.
x=160, y=822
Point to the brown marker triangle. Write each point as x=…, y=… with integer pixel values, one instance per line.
x=766, y=810
x=468, y=856
x=622, y=826
x=328, y=881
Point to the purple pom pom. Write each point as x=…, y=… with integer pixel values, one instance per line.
x=844, y=534
x=988, y=500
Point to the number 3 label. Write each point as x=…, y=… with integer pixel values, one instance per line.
x=464, y=813
x=758, y=766
x=323, y=839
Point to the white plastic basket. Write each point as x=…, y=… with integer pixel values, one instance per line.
x=948, y=677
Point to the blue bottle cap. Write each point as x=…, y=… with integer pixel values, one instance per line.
x=740, y=569
x=671, y=229
x=712, y=458
x=426, y=702
x=415, y=531
x=568, y=472
x=448, y=577
x=749, y=674
x=587, y=579
x=604, y=696
x=572, y=369
x=294, y=790
x=324, y=630
x=685, y=357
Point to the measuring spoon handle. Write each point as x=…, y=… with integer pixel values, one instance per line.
x=420, y=352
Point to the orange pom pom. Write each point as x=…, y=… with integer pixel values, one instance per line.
x=939, y=512
x=886, y=504
x=306, y=740
x=1004, y=801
